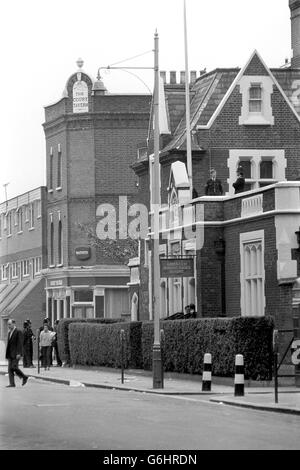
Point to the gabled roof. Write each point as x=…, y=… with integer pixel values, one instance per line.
x=256, y=62
x=212, y=90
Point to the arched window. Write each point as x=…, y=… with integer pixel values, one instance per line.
x=59, y=243
x=252, y=275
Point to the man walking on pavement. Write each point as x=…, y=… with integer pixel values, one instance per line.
x=14, y=351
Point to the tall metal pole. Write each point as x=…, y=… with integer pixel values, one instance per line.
x=187, y=108
x=157, y=363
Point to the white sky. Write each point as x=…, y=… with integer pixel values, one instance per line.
x=41, y=41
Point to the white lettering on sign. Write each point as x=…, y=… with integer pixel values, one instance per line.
x=59, y=282
x=80, y=97
x=296, y=353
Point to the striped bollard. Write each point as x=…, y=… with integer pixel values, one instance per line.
x=239, y=376
x=206, y=376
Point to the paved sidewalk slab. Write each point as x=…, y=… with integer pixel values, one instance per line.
x=112, y=380
x=259, y=397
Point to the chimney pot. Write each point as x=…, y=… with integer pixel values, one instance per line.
x=163, y=75
x=173, y=77
x=193, y=76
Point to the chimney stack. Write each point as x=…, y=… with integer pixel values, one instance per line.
x=182, y=77
x=295, y=28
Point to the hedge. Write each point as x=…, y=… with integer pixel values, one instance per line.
x=63, y=333
x=186, y=342
x=100, y=345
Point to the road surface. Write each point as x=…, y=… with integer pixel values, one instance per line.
x=45, y=415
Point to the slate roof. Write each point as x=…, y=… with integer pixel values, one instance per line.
x=207, y=93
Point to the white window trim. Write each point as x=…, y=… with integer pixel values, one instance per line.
x=16, y=217
x=26, y=213
x=14, y=276
x=37, y=263
x=8, y=225
x=23, y=264
x=256, y=156
x=39, y=209
x=5, y=272
x=31, y=215
x=245, y=238
x=265, y=117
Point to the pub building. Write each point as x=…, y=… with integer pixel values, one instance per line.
x=92, y=137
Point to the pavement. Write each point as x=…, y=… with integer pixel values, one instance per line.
x=257, y=395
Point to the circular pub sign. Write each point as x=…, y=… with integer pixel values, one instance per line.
x=83, y=253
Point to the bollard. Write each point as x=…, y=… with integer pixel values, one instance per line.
x=122, y=334
x=38, y=348
x=239, y=376
x=162, y=343
x=206, y=375
x=275, y=363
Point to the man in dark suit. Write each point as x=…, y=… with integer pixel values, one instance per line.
x=14, y=350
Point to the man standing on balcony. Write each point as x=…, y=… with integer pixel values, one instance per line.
x=14, y=351
x=213, y=186
x=239, y=184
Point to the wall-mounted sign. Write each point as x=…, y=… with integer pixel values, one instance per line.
x=80, y=97
x=176, y=267
x=83, y=252
x=56, y=282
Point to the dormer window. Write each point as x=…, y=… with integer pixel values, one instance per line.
x=256, y=101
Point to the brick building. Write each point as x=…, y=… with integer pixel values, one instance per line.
x=245, y=253
x=22, y=258
x=92, y=137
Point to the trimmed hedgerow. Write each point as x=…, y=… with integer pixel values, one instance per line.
x=100, y=345
x=63, y=333
x=186, y=342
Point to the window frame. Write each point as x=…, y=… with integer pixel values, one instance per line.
x=14, y=270
x=265, y=115
x=252, y=238
x=252, y=100
x=25, y=262
x=59, y=171
x=256, y=156
x=37, y=265
x=31, y=215
x=20, y=219
x=8, y=224
x=5, y=272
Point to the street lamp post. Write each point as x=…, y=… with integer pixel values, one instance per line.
x=157, y=362
x=157, y=369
